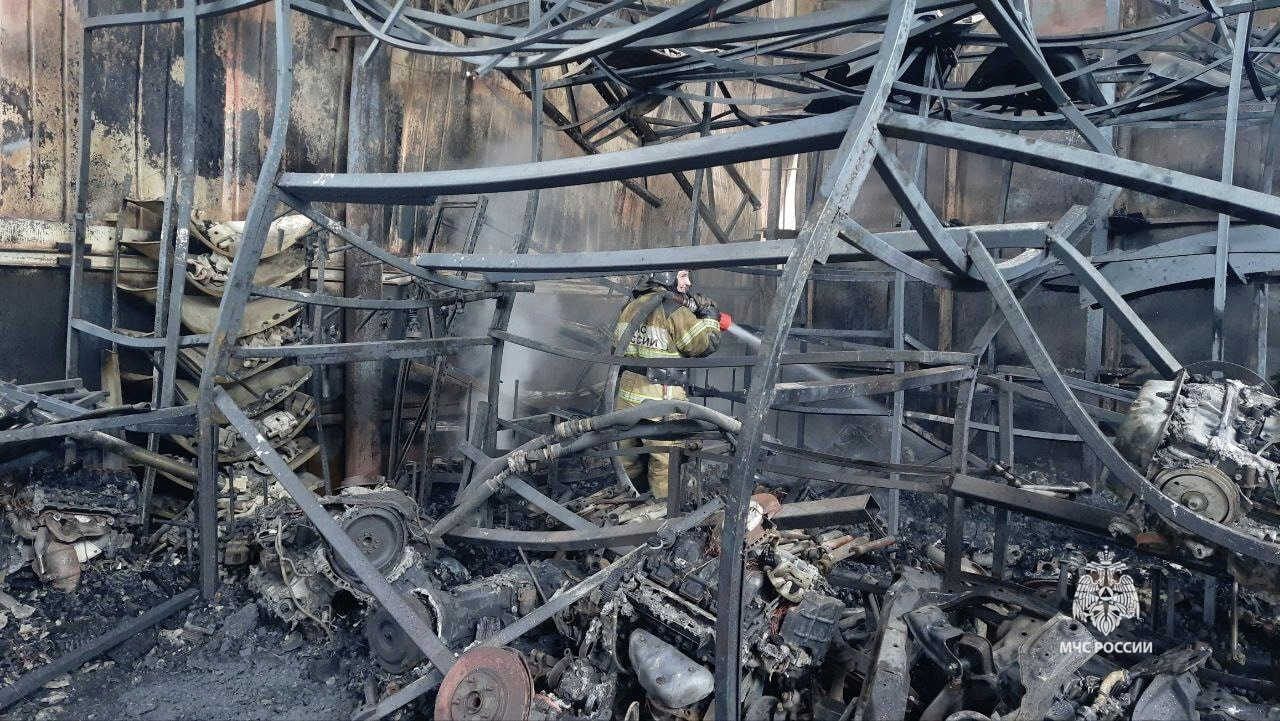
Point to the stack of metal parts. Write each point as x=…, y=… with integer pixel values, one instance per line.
x=270, y=389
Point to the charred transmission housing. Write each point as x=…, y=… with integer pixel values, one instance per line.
x=460, y=614
x=1209, y=445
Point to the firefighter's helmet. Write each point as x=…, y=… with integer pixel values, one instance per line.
x=662, y=278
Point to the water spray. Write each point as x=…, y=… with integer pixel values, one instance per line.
x=751, y=339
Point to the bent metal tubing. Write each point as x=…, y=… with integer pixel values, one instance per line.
x=1166, y=507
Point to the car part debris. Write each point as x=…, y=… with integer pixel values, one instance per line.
x=1209, y=446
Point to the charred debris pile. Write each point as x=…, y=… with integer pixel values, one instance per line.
x=616, y=617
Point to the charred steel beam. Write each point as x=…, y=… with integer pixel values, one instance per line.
x=989, y=428
x=954, y=541
x=847, y=462
x=235, y=295
x=1005, y=386
x=644, y=131
x=33, y=681
x=912, y=201
x=1080, y=384
x=868, y=385
x=800, y=136
x=875, y=246
x=324, y=299
x=1121, y=312
x=879, y=355
x=1244, y=6
x=1169, y=509
x=414, y=626
x=845, y=15
x=797, y=136
x=830, y=511
x=133, y=341
x=55, y=407
x=548, y=505
x=323, y=353
x=1222, y=251
x=505, y=266
x=839, y=188
x=61, y=384
x=1130, y=174
x=132, y=421
x=1037, y=505
x=185, y=188
x=670, y=18
x=769, y=252
x=373, y=249
x=208, y=9
x=575, y=134
x=1022, y=41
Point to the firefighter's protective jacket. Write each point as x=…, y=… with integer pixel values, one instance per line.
x=663, y=335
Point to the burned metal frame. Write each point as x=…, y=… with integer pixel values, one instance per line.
x=948, y=258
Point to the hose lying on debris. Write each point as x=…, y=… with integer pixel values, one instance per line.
x=628, y=417
x=582, y=435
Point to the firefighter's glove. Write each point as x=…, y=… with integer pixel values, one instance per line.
x=706, y=308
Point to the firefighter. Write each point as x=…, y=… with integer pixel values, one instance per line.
x=690, y=330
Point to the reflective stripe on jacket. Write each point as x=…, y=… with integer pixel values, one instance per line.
x=679, y=334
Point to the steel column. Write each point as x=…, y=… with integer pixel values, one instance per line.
x=186, y=188
x=1223, y=250
x=363, y=396
x=234, y=297
x=841, y=185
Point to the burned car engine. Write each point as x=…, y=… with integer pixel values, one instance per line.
x=59, y=520
x=1209, y=445
x=651, y=632
x=297, y=574
x=300, y=579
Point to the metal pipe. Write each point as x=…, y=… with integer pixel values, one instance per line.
x=138, y=454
